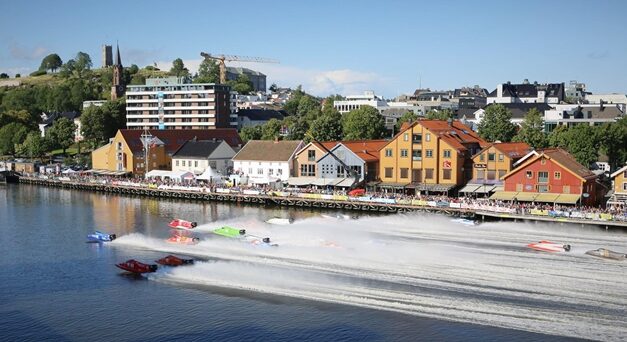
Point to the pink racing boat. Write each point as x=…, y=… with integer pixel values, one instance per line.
x=182, y=224
x=548, y=246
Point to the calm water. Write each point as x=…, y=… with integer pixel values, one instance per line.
x=327, y=287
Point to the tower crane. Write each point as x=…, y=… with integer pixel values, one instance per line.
x=221, y=59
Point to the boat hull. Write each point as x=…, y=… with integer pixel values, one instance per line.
x=607, y=254
x=134, y=266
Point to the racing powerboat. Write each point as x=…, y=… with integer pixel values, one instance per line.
x=230, y=232
x=136, y=267
x=548, y=246
x=280, y=221
x=183, y=240
x=172, y=260
x=100, y=237
x=465, y=221
x=607, y=254
x=182, y=224
x=235, y=233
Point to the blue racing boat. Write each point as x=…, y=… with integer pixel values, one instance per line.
x=100, y=237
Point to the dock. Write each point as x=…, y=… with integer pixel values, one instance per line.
x=317, y=201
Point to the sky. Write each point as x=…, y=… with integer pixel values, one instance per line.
x=339, y=47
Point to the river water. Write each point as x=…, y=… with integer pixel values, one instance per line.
x=333, y=277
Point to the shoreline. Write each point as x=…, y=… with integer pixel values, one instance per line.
x=313, y=201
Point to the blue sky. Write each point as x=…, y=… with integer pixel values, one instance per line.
x=339, y=46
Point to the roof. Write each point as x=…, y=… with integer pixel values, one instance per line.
x=519, y=110
x=197, y=149
x=268, y=150
x=561, y=157
x=597, y=112
x=619, y=171
x=514, y=150
x=531, y=90
x=262, y=114
x=367, y=150
x=455, y=133
x=173, y=139
x=51, y=117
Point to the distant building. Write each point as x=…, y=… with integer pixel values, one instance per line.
x=107, y=56
x=118, y=86
x=575, y=114
x=468, y=97
x=518, y=110
x=607, y=98
x=575, y=91
x=197, y=155
x=258, y=79
x=254, y=117
x=619, y=195
x=266, y=161
x=353, y=102
x=47, y=120
x=171, y=103
x=527, y=93
x=96, y=103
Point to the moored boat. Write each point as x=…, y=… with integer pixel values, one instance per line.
x=607, y=254
x=172, y=260
x=548, y=246
x=137, y=267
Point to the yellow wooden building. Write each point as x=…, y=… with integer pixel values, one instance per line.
x=619, y=196
x=429, y=155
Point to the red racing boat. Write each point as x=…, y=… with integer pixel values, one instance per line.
x=172, y=260
x=182, y=224
x=136, y=267
x=183, y=240
x=548, y=246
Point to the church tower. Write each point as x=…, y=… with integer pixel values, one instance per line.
x=118, y=87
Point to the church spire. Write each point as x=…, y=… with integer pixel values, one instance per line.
x=118, y=60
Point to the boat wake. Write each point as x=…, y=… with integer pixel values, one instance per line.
x=421, y=265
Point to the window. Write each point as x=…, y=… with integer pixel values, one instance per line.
x=519, y=187
x=183, y=162
x=529, y=174
x=213, y=164
x=388, y=152
x=271, y=172
x=250, y=171
x=428, y=173
x=502, y=173
x=446, y=174
x=491, y=174
x=416, y=155
x=406, y=137
x=177, y=163
x=491, y=156
x=417, y=138
x=429, y=153
x=501, y=157
x=428, y=137
x=308, y=170
x=404, y=153
x=543, y=161
x=311, y=155
x=389, y=171
x=447, y=153
x=566, y=189
x=543, y=176
x=542, y=188
x=195, y=163
x=279, y=172
x=259, y=171
x=404, y=172
x=557, y=175
x=481, y=157
x=480, y=174
x=416, y=175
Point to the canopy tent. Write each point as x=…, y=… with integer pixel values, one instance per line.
x=179, y=176
x=210, y=175
x=106, y=172
x=546, y=197
x=68, y=171
x=345, y=183
x=504, y=195
x=567, y=198
x=484, y=189
x=470, y=188
x=263, y=180
x=300, y=181
x=526, y=196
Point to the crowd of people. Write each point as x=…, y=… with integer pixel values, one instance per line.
x=614, y=212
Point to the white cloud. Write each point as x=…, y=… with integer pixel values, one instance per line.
x=19, y=51
x=316, y=82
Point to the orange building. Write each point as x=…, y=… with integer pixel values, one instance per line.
x=620, y=187
x=429, y=155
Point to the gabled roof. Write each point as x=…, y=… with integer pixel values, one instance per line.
x=262, y=114
x=173, y=139
x=514, y=150
x=619, y=171
x=268, y=150
x=519, y=110
x=51, y=117
x=561, y=157
x=367, y=150
x=197, y=149
x=454, y=133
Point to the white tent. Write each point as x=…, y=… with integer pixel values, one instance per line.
x=174, y=175
x=210, y=175
x=68, y=171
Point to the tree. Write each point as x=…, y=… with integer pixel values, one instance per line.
x=496, y=124
x=12, y=135
x=242, y=84
x=532, y=130
x=51, y=62
x=33, y=146
x=251, y=133
x=327, y=127
x=613, y=140
x=61, y=133
x=82, y=62
x=4, y=75
x=178, y=68
x=98, y=124
x=580, y=141
x=138, y=79
x=68, y=68
x=408, y=116
x=443, y=114
x=273, y=87
x=271, y=129
x=363, y=123
x=208, y=72
x=133, y=69
x=307, y=104
x=297, y=127
x=18, y=75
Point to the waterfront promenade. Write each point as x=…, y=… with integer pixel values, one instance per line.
x=462, y=207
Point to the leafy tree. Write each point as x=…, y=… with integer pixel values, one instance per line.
x=19, y=116
x=408, y=116
x=271, y=129
x=82, y=61
x=273, y=87
x=178, y=68
x=208, y=72
x=68, y=68
x=18, y=75
x=297, y=127
x=443, y=114
x=242, y=84
x=4, y=75
x=61, y=133
x=496, y=124
x=12, y=135
x=33, y=146
x=613, y=140
x=251, y=133
x=51, y=62
x=133, y=69
x=37, y=73
x=307, y=104
x=327, y=127
x=532, y=130
x=580, y=141
x=138, y=79
x=363, y=123
x=98, y=124
x=291, y=105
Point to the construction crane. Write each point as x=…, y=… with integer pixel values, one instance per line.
x=349, y=171
x=221, y=59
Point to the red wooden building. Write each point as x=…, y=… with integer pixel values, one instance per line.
x=552, y=176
